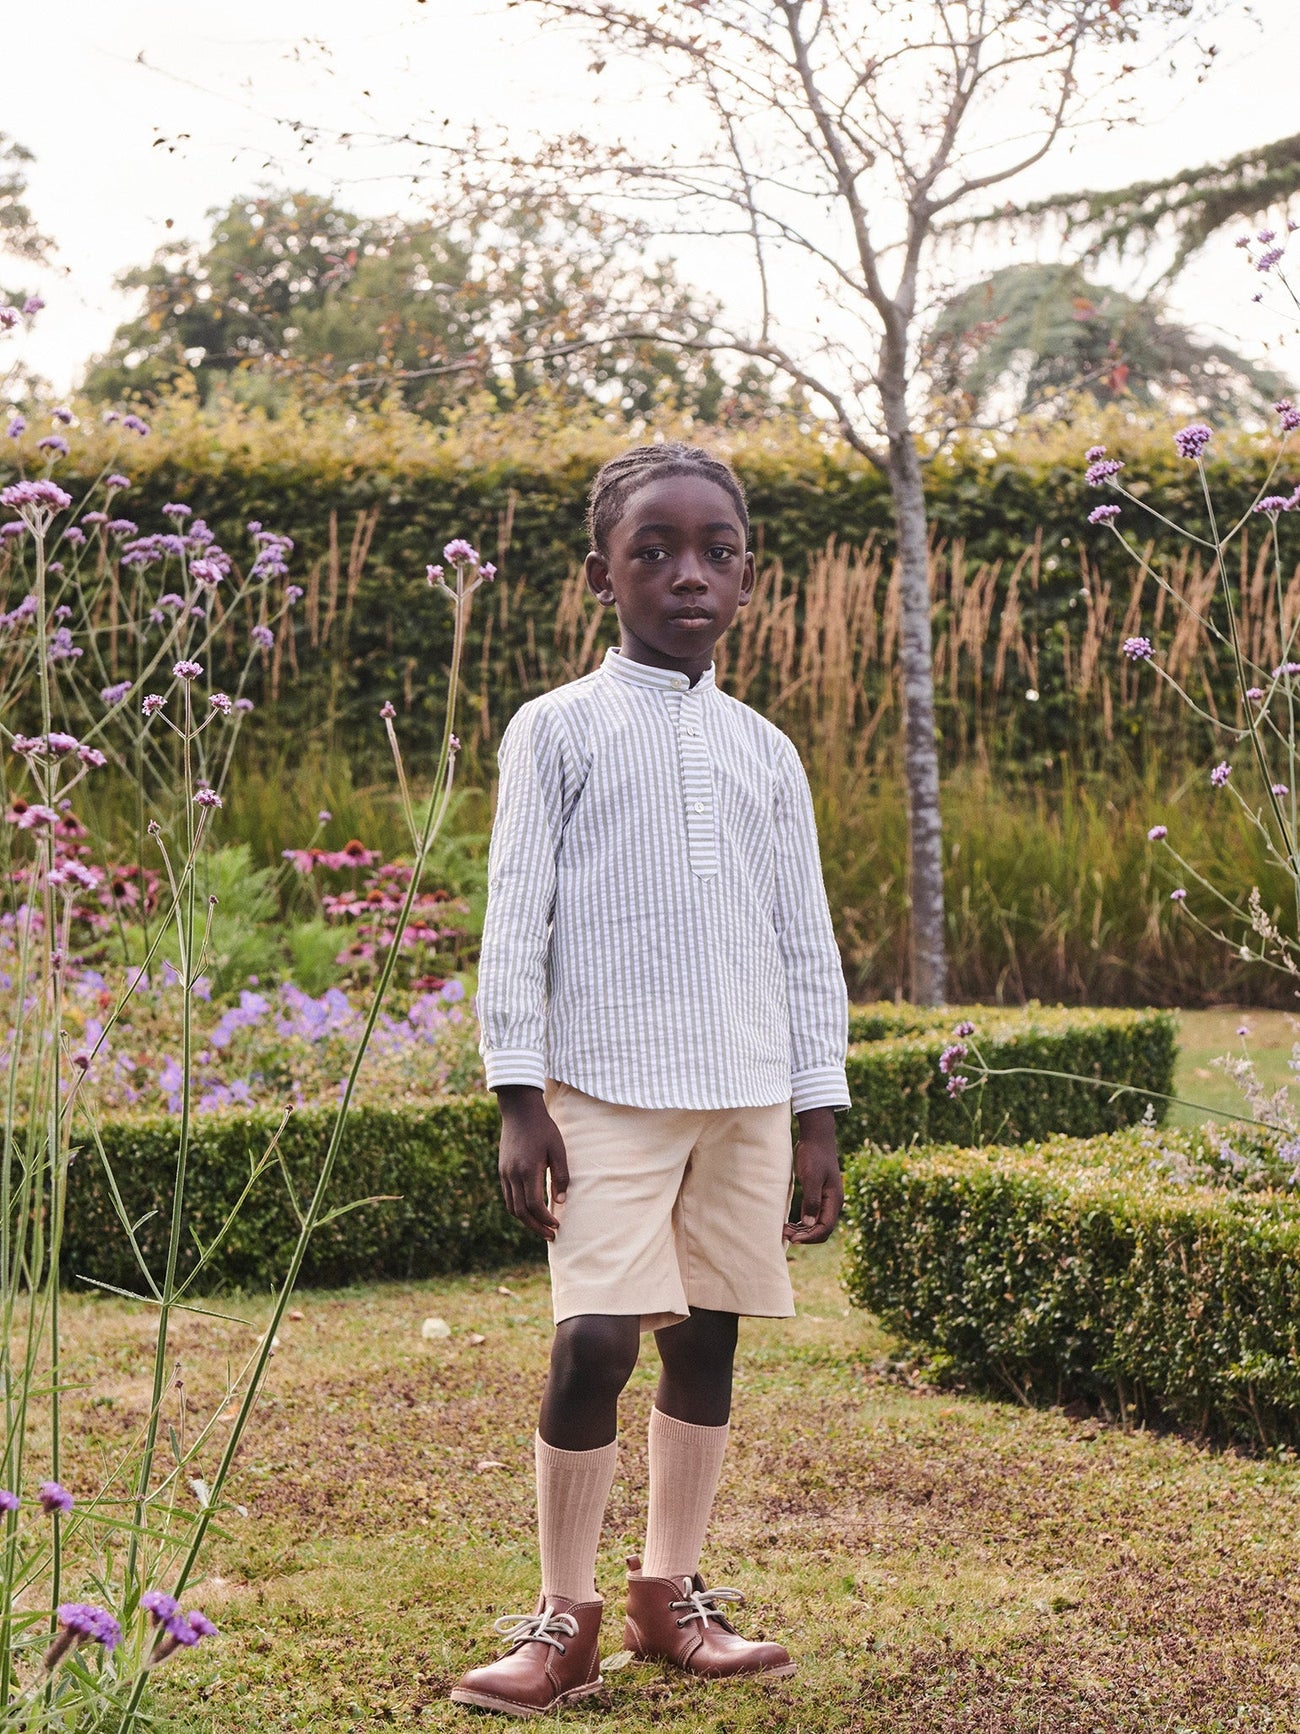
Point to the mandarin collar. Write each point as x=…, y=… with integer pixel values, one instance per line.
x=657, y=679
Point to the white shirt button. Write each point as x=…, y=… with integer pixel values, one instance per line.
x=699, y=806
x=691, y=729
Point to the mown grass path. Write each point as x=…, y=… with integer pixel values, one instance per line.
x=935, y=1561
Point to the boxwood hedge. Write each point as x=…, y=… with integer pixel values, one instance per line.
x=901, y=1097
x=1077, y=1269
x=434, y=1166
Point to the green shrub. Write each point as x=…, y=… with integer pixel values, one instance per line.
x=1074, y=1268
x=901, y=1097
x=437, y=1165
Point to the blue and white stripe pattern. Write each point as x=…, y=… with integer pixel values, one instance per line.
x=657, y=931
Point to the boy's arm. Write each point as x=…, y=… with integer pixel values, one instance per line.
x=819, y=1003
x=511, y=1001
x=819, y=1007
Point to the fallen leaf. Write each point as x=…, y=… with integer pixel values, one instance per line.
x=476, y=1337
x=490, y=1463
x=508, y=1291
x=432, y=1329
x=612, y=1664
x=294, y=1313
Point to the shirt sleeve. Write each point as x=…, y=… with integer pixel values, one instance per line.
x=512, y=978
x=819, y=1002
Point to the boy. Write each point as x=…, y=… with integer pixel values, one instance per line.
x=659, y=986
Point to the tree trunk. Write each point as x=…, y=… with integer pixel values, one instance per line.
x=929, y=963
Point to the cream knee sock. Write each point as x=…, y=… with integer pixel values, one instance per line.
x=572, y=1491
x=685, y=1463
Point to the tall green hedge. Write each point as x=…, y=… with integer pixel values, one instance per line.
x=517, y=487
x=901, y=1097
x=435, y=1166
x=1074, y=1269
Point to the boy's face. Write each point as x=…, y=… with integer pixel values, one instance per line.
x=677, y=571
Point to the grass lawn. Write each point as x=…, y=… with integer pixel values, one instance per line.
x=1204, y=1035
x=935, y=1561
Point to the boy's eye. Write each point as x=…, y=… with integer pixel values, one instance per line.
x=722, y=552
x=652, y=554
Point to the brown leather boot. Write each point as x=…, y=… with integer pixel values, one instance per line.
x=675, y=1619
x=553, y=1658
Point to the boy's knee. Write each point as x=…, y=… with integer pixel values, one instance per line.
x=595, y=1353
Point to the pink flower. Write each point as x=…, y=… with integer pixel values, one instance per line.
x=460, y=553
x=187, y=669
x=1193, y=439
x=387, y=710
x=1157, y=833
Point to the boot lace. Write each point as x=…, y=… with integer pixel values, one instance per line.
x=703, y=1604
x=548, y=1627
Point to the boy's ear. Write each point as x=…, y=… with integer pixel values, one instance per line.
x=596, y=569
x=748, y=578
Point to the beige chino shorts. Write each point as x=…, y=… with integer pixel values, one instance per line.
x=670, y=1208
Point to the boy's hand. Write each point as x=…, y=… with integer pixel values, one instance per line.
x=530, y=1144
x=817, y=1169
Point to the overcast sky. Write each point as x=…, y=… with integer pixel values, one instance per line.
x=217, y=84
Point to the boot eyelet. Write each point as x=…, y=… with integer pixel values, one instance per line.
x=564, y=1649
x=679, y=1623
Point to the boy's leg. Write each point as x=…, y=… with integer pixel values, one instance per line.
x=688, y=1438
x=554, y=1654
x=592, y=1357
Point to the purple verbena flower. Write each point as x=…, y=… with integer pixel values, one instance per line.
x=200, y=1624
x=1288, y=414
x=174, y=509
x=324, y=816
x=54, y=443
x=1093, y=453
x=53, y=1497
x=1220, y=774
x=1098, y=474
x=433, y=574
x=116, y=693
x=207, y=572
x=1280, y=789
x=221, y=702
x=965, y=1028
x=1266, y=261
x=74, y=535
x=1273, y=504
x=1103, y=514
x=459, y=552
x=61, y=648
x=94, y=517
x=187, y=669
x=33, y=305
x=133, y=424
x=1192, y=440
x=244, y=705
x=387, y=710
x=207, y=798
x=1137, y=649
x=44, y=494
x=17, y=428
x=293, y=592
x=153, y=704
x=121, y=527
x=1286, y=668
x=93, y=757
x=116, y=483
x=8, y=1501
x=262, y=637
x=159, y=1605
x=950, y=1056
x=80, y=1620
x=1179, y=896
x=62, y=414
x=1255, y=693
x=957, y=1084
x=1157, y=833
x=34, y=818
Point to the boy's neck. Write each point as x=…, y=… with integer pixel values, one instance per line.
x=635, y=650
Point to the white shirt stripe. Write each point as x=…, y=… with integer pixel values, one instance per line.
x=657, y=932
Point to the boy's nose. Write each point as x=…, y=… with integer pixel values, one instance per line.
x=690, y=574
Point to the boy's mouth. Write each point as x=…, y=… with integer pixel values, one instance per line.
x=691, y=617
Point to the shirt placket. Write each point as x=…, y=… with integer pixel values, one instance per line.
x=698, y=798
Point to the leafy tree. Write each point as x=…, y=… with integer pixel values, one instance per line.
x=290, y=287
x=1192, y=206
x=1032, y=336
x=19, y=235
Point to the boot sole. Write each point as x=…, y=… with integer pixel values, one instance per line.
x=778, y=1673
x=504, y=1707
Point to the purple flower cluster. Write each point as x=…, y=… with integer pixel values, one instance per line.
x=1192, y=440
x=273, y=551
x=44, y=495
x=952, y=1056
x=1157, y=833
x=1103, y=514
x=1287, y=414
x=79, y=1621
x=1272, y=504
x=54, y=1498
x=1138, y=649
x=1220, y=774
x=175, y=1628
x=459, y=552
x=1102, y=471
x=25, y=610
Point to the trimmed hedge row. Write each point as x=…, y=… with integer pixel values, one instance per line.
x=436, y=1165
x=1072, y=1269
x=900, y=1096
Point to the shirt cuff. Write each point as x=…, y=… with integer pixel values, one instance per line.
x=819, y=1087
x=515, y=1066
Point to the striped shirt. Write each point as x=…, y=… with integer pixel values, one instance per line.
x=657, y=932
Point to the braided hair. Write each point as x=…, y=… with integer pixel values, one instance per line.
x=623, y=476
